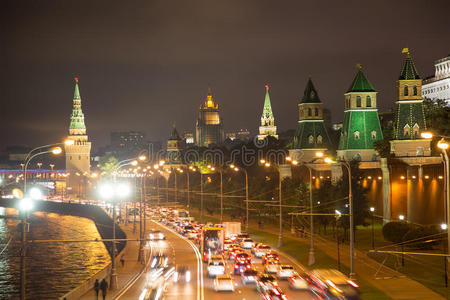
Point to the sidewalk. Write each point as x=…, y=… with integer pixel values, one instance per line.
x=131, y=268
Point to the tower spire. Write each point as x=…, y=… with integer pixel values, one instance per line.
x=77, y=126
x=267, y=119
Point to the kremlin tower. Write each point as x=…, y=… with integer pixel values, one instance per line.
x=311, y=135
x=361, y=127
x=78, y=155
x=267, y=119
x=410, y=115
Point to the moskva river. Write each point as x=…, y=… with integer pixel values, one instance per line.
x=53, y=268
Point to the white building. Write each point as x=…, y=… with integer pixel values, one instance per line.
x=438, y=87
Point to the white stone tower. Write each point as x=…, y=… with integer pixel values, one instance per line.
x=78, y=155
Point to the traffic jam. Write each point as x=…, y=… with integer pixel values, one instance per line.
x=233, y=261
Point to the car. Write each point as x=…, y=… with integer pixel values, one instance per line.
x=182, y=275
x=332, y=283
x=241, y=236
x=156, y=235
x=227, y=244
x=271, y=266
x=261, y=250
x=243, y=257
x=240, y=267
x=215, y=267
x=232, y=253
x=247, y=243
x=224, y=283
x=285, y=271
x=300, y=281
x=274, y=294
x=269, y=255
x=249, y=276
x=265, y=282
x=159, y=261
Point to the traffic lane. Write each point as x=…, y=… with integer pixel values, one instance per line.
x=180, y=253
x=249, y=291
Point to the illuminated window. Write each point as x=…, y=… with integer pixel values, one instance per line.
x=368, y=101
x=319, y=139
x=416, y=130
x=406, y=130
x=358, y=101
x=311, y=139
x=415, y=90
x=374, y=134
x=405, y=90
x=356, y=133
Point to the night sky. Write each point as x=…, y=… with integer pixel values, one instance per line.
x=144, y=65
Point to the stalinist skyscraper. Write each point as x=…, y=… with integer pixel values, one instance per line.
x=78, y=155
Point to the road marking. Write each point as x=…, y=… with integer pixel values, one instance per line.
x=200, y=291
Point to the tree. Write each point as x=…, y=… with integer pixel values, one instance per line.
x=108, y=164
x=437, y=115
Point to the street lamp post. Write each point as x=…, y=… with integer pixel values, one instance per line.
x=221, y=190
x=350, y=208
x=444, y=146
x=25, y=205
x=55, y=151
x=372, y=212
x=201, y=196
x=311, y=258
x=246, y=195
x=277, y=167
x=352, y=229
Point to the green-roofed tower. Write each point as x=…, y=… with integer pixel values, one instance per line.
x=174, y=147
x=361, y=126
x=78, y=154
x=267, y=119
x=410, y=115
x=311, y=135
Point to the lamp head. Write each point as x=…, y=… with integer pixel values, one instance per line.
x=142, y=157
x=69, y=142
x=57, y=150
x=25, y=204
x=426, y=135
x=319, y=154
x=442, y=144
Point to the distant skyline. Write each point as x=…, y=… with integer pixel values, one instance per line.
x=144, y=65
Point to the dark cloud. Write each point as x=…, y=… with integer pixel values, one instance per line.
x=146, y=64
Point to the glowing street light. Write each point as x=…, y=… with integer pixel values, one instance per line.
x=442, y=144
x=444, y=226
x=401, y=217
x=57, y=150
x=69, y=142
x=35, y=193
x=426, y=135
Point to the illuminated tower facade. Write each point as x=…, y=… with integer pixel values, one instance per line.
x=361, y=128
x=174, y=147
x=209, y=128
x=410, y=115
x=78, y=155
x=311, y=135
x=267, y=119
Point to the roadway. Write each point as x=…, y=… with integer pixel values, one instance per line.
x=182, y=251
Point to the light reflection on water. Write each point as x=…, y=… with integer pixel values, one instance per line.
x=52, y=268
